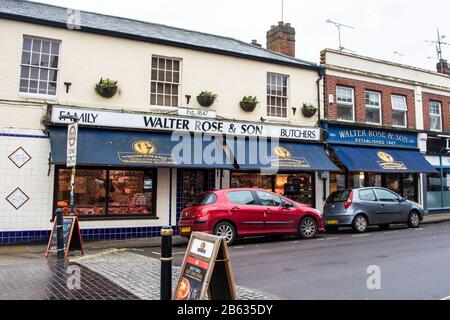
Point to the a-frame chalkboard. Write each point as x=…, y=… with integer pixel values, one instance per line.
x=206, y=269
x=71, y=236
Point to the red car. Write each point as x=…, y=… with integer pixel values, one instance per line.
x=236, y=213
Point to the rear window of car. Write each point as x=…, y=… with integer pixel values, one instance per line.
x=241, y=197
x=339, y=196
x=204, y=198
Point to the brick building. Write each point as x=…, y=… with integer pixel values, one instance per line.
x=374, y=108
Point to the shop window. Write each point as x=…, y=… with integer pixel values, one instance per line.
x=374, y=180
x=373, y=107
x=393, y=182
x=297, y=187
x=399, y=111
x=251, y=180
x=165, y=83
x=435, y=116
x=39, y=66
x=277, y=95
x=356, y=180
x=337, y=182
x=345, y=103
x=108, y=192
x=434, y=192
x=194, y=182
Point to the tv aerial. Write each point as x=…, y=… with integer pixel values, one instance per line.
x=439, y=43
x=339, y=26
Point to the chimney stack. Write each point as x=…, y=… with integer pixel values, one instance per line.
x=442, y=67
x=281, y=39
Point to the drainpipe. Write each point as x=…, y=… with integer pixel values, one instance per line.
x=324, y=176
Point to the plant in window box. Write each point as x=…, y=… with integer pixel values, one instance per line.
x=248, y=104
x=106, y=88
x=206, y=98
x=308, y=110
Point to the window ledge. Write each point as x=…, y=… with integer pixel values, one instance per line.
x=37, y=96
x=114, y=218
x=163, y=108
x=278, y=119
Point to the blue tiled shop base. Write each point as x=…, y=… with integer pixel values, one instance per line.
x=17, y=237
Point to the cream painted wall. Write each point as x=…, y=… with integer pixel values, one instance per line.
x=87, y=57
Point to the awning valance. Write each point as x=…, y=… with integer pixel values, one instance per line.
x=382, y=160
x=140, y=149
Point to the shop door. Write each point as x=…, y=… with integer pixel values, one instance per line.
x=277, y=218
x=194, y=182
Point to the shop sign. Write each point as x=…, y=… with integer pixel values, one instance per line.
x=197, y=113
x=178, y=124
x=71, y=237
x=206, y=268
x=387, y=162
x=371, y=137
x=72, y=142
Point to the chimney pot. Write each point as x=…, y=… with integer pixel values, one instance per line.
x=442, y=67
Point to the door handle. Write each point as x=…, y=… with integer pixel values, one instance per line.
x=236, y=208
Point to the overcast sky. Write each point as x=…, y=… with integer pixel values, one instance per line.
x=381, y=26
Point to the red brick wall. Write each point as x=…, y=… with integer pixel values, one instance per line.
x=331, y=82
x=445, y=110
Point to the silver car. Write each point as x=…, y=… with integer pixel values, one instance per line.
x=360, y=208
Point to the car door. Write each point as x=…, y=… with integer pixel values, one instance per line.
x=246, y=213
x=278, y=219
x=370, y=205
x=389, y=210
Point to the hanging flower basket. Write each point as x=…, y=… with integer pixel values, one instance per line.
x=106, y=88
x=206, y=98
x=248, y=104
x=308, y=110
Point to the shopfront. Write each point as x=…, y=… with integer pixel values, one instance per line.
x=437, y=195
x=376, y=157
x=139, y=170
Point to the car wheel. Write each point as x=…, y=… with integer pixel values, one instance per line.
x=384, y=226
x=307, y=228
x=331, y=229
x=360, y=224
x=225, y=230
x=414, y=219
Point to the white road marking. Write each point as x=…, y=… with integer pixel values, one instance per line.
x=157, y=253
x=238, y=247
x=361, y=235
x=419, y=229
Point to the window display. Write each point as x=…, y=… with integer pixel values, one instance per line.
x=298, y=187
x=194, y=182
x=108, y=192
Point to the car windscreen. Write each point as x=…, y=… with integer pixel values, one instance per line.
x=339, y=196
x=204, y=198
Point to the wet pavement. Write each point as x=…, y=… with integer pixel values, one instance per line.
x=49, y=279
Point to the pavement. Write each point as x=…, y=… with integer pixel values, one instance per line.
x=333, y=266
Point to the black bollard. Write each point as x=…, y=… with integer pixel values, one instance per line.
x=59, y=234
x=166, y=263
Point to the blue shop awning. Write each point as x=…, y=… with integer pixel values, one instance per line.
x=140, y=149
x=363, y=159
x=255, y=154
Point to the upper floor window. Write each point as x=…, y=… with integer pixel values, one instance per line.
x=277, y=95
x=399, y=110
x=373, y=107
x=435, y=116
x=165, y=83
x=345, y=103
x=39, y=66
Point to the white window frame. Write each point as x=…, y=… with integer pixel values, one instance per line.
x=436, y=115
x=404, y=110
x=156, y=105
x=352, y=104
x=269, y=95
x=371, y=107
x=37, y=95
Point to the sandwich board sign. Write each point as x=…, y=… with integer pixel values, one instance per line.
x=72, y=142
x=71, y=237
x=206, y=269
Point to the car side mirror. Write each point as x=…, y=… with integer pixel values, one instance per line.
x=286, y=205
x=402, y=200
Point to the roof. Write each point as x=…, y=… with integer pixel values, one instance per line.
x=55, y=16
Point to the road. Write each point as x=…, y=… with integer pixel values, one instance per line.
x=414, y=264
